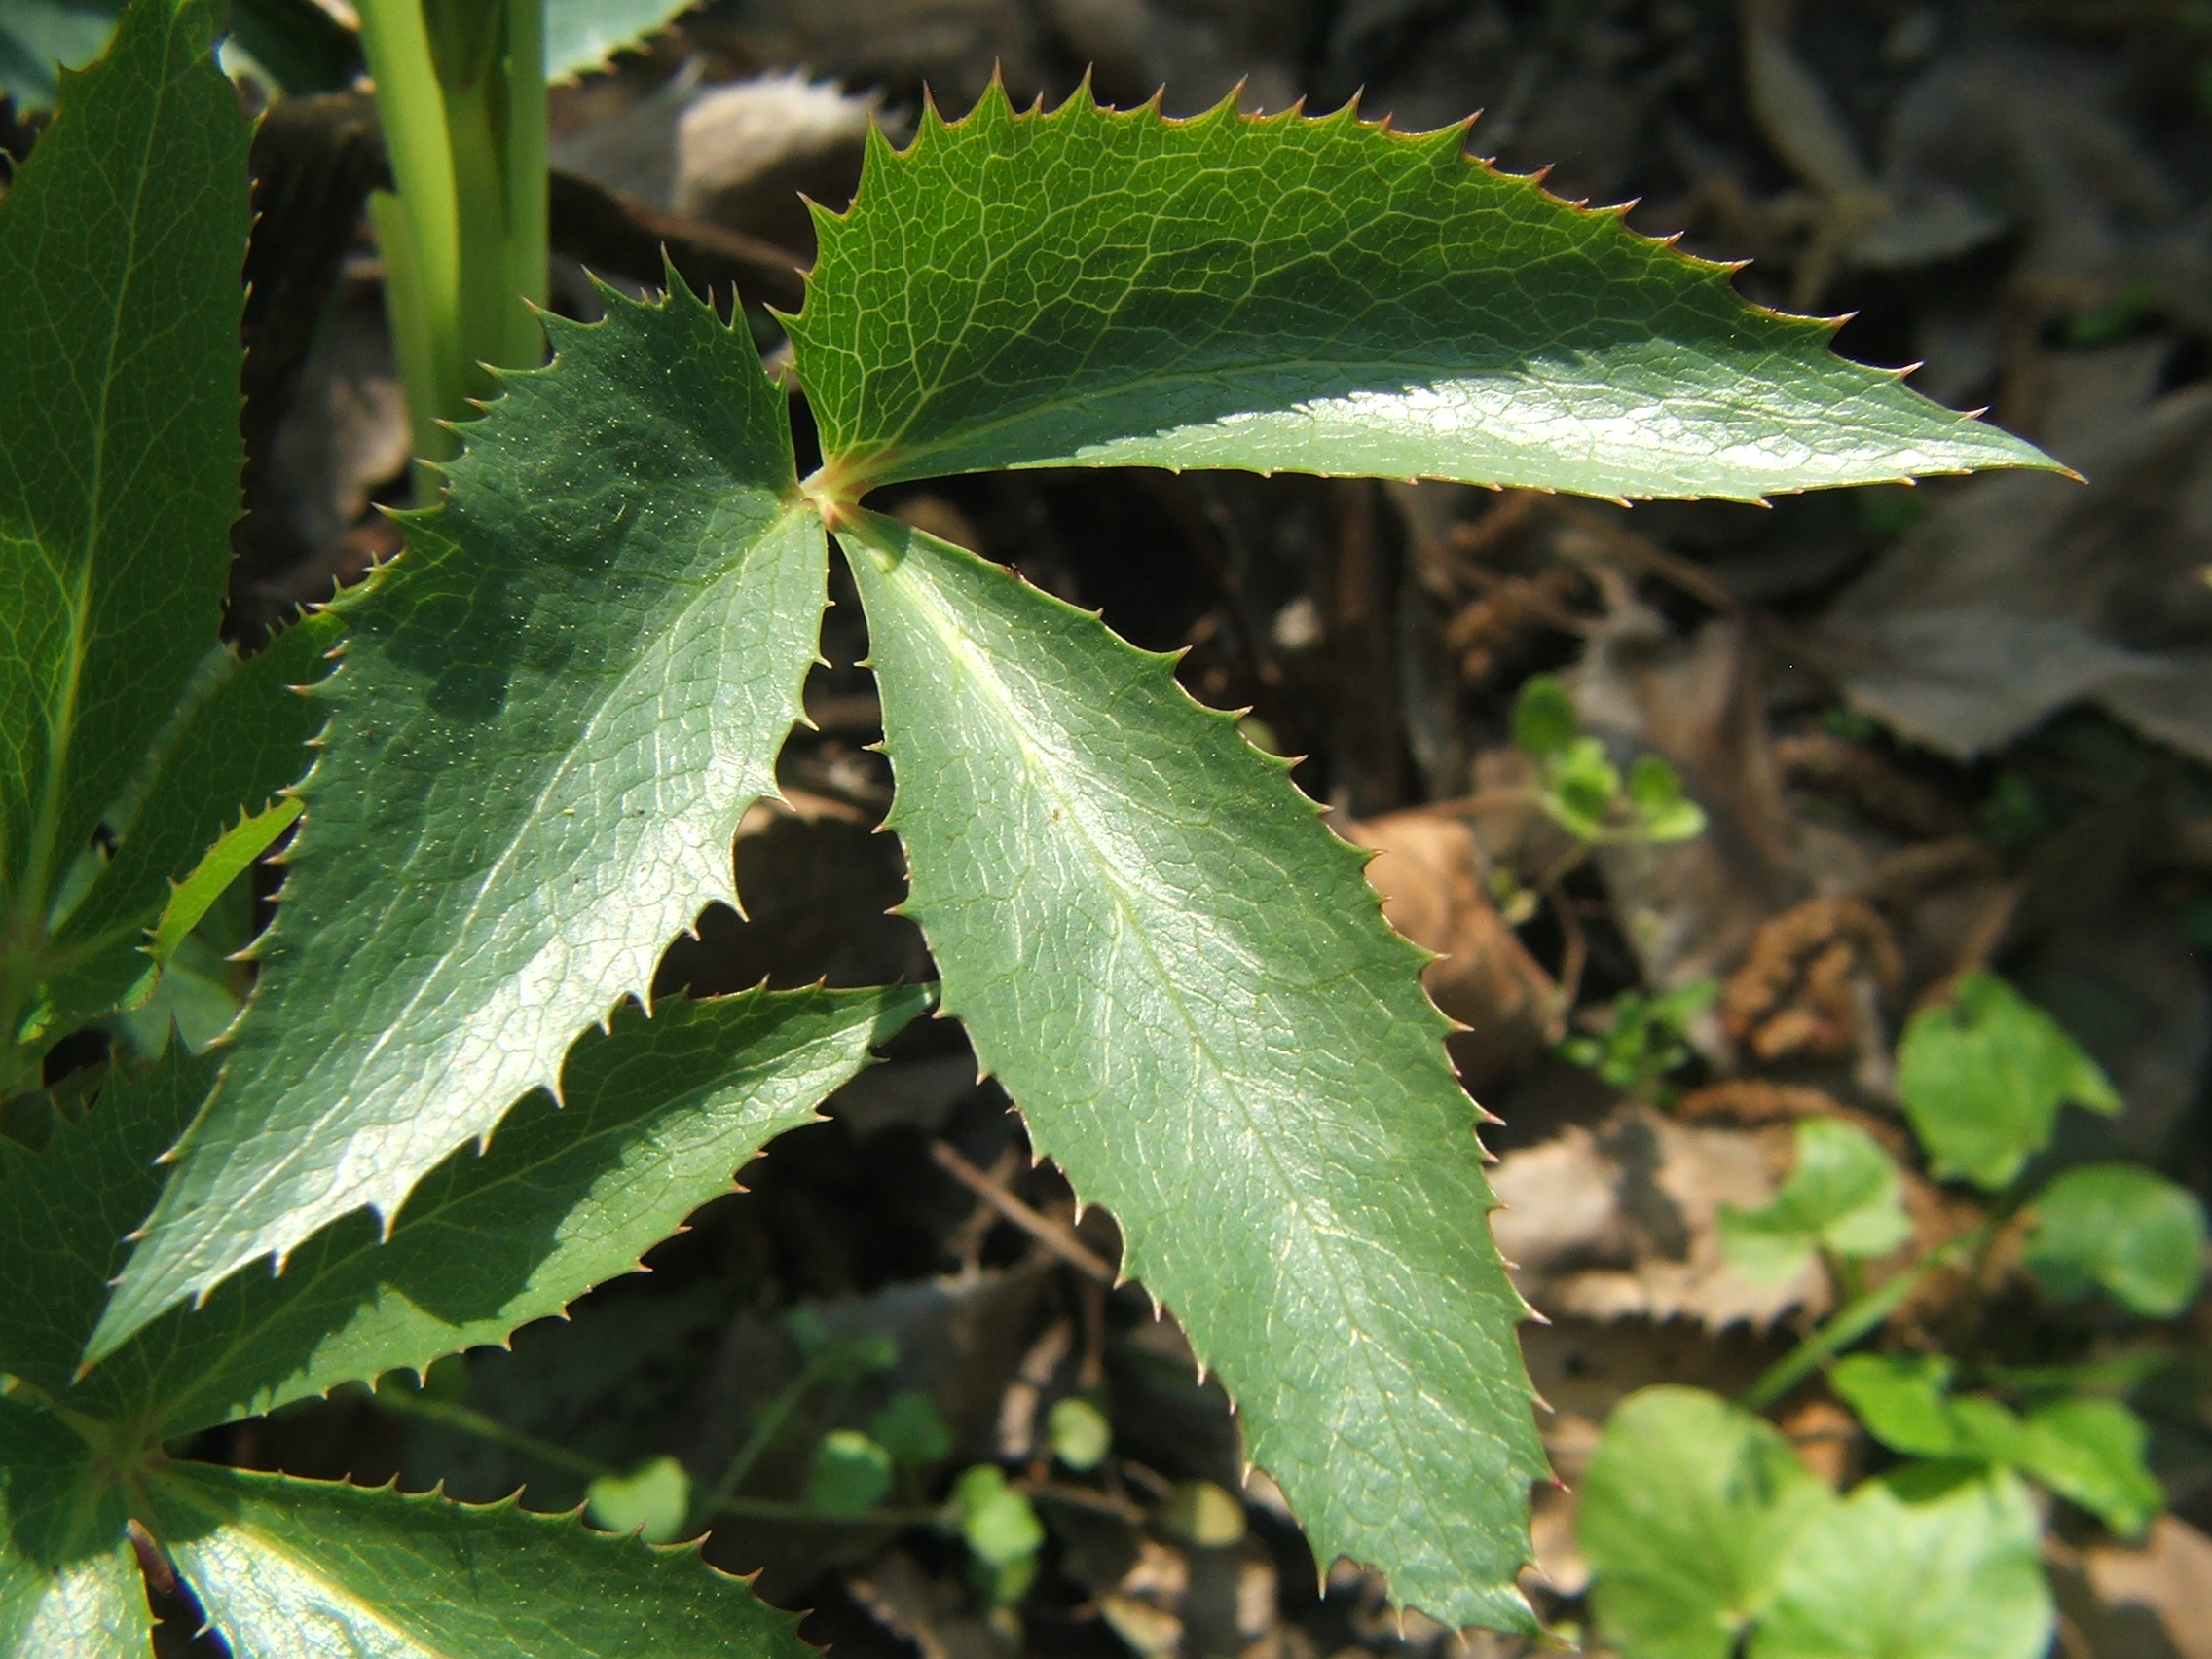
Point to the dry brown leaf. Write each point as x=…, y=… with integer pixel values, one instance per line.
x=1428, y=869
x=1814, y=985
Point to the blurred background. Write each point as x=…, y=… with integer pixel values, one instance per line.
x=1931, y=729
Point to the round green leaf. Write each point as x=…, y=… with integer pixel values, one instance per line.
x=2119, y=1227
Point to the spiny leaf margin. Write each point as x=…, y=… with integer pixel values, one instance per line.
x=1353, y=1301
x=1094, y=287
x=498, y=751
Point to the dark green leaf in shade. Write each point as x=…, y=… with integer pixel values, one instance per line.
x=659, y=1114
x=120, y=243
x=1184, y=983
x=851, y=1473
x=913, y=1430
x=1983, y=1075
x=1285, y=294
x=1926, y=1564
x=1689, y=1513
x=287, y=1566
x=69, y=1584
x=64, y=1210
x=237, y=742
x=547, y=723
x=1843, y=1196
x=1544, y=720
x=2123, y=1229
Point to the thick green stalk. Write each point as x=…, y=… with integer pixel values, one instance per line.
x=425, y=271
x=526, y=241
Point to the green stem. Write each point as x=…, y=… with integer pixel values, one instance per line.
x=765, y=1427
x=1855, y=1320
x=447, y=1415
x=527, y=236
x=412, y=105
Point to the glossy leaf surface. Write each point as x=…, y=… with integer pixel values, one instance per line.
x=285, y=1566
x=658, y=1116
x=1187, y=986
x=546, y=726
x=1312, y=296
x=120, y=243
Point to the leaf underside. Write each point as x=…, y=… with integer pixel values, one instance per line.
x=285, y=1566
x=1188, y=987
x=546, y=724
x=121, y=242
x=1314, y=295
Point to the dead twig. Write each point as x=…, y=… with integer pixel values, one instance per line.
x=1055, y=1237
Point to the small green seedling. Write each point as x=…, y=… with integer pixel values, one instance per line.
x=1583, y=791
x=1645, y=1038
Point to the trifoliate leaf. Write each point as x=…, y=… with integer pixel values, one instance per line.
x=1301, y=295
x=2119, y=1226
x=1187, y=986
x=121, y=242
x=850, y=1473
x=1844, y=1196
x=1689, y=1513
x=1921, y=1565
x=545, y=730
x=1982, y=1076
x=64, y=1210
x=69, y=1586
x=276, y=1561
x=651, y=1501
x=659, y=1114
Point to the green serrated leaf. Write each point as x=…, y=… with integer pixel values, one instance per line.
x=1844, y=1196
x=581, y=35
x=120, y=243
x=1186, y=984
x=69, y=1585
x=545, y=730
x=63, y=1211
x=1288, y=294
x=2122, y=1228
x=1689, y=1513
x=281, y=1563
x=1982, y=1076
x=238, y=739
x=659, y=1114
x=1921, y=1565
